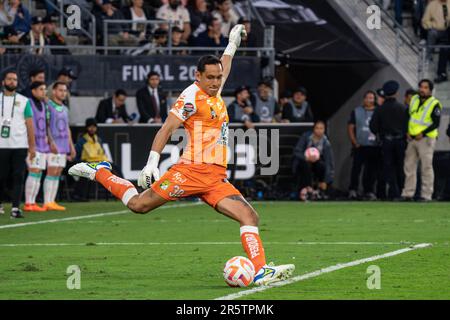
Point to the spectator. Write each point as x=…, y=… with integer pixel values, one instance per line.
x=22, y=20
x=366, y=152
x=249, y=41
x=152, y=101
x=285, y=97
x=298, y=109
x=89, y=148
x=389, y=122
x=113, y=109
x=117, y=33
x=177, y=41
x=39, y=163
x=423, y=126
x=36, y=37
x=17, y=140
x=443, y=60
x=436, y=21
x=199, y=15
x=10, y=37
x=35, y=75
x=226, y=16
x=305, y=170
x=7, y=14
x=266, y=106
x=67, y=76
x=138, y=14
x=408, y=95
x=52, y=37
x=212, y=37
x=380, y=97
x=176, y=13
x=241, y=110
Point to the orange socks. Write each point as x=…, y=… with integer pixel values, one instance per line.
x=120, y=188
x=253, y=246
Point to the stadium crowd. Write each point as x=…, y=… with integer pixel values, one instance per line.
x=193, y=23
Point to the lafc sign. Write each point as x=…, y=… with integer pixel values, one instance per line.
x=374, y=20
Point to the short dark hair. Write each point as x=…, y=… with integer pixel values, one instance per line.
x=370, y=92
x=210, y=21
x=410, y=92
x=8, y=72
x=120, y=92
x=319, y=122
x=59, y=83
x=205, y=60
x=36, y=84
x=152, y=74
x=35, y=72
x=430, y=83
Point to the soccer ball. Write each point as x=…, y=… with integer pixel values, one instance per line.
x=239, y=272
x=312, y=154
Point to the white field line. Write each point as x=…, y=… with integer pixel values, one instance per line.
x=319, y=272
x=113, y=213
x=187, y=244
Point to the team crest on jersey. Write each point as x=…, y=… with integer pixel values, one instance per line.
x=164, y=185
x=188, y=108
x=213, y=113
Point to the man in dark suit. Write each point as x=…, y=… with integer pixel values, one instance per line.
x=113, y=109
x=151, y=101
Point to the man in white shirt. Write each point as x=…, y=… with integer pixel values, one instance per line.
x=16, y=140
x=178, y=15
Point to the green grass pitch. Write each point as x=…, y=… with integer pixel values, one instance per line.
x=179, y=252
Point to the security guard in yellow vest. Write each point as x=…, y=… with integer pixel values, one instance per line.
x=424, y=119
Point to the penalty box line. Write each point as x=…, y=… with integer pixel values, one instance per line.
x=319, y=272
x=96, y=215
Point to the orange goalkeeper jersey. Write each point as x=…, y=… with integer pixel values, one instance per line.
x=205, y=119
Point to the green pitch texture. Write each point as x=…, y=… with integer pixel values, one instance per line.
x=179, y=253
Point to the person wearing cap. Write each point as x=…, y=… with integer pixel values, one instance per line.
x=39, y=162
x=423, y=125
x=265, y=104
x=66, y=75
x=389, y=121
x=177, y=41
x=380, y=97
x=88, y=148
x=298, y=109
x=52, y=37
x=36, y=37
x=365, y=148
x=17, y=140
x=241, y=110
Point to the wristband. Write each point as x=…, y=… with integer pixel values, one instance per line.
x=153, y=158
x=230, y=49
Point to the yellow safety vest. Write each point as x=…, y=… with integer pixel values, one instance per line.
x=420, y=116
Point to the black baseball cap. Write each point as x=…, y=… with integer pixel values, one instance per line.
x=36, y=20
x=240, y=89
x=243, y=20
x=391, y=87
x=67, y=72
x=301, y=89
x=380, y=93
x=50, y=19
x=90, y=122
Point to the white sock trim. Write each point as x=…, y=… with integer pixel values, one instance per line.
x=249, y=229
x=130, y=193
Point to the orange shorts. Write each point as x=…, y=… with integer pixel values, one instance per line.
x=206, y=181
